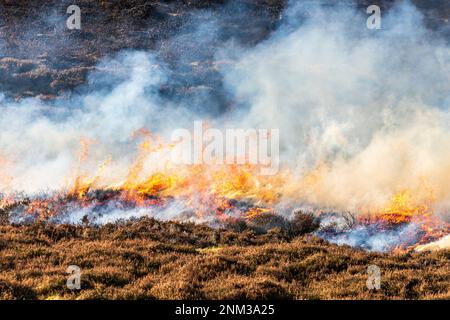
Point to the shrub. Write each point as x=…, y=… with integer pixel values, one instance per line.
x=236, y=225
x=303, y=223
x=266, y=221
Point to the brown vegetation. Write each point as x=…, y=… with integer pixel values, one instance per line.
x=148, y=259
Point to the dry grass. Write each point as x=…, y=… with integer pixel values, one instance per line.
x=147, y=259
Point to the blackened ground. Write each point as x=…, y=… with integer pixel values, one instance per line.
x=39, y=56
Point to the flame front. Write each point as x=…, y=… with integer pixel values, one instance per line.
x=218, y=192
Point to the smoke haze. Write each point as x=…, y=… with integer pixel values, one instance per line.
x=364, y=111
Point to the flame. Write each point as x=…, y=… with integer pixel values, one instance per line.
x=221, y=191
x=404, y=208
x=83, y=184
x=5, y=178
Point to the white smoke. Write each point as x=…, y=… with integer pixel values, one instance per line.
x=372, y=105
x=443, y=243
x=40, y=142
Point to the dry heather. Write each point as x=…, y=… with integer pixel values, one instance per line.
x=148, y=259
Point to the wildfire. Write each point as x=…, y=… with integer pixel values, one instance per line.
x=218, y=191
x=403, y=208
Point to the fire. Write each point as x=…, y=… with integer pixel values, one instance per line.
x=404, y=208
x=219, y=191
x=83, y=184
x=5, y=178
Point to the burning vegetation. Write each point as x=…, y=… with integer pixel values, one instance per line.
x=88, y=177
x=220, y=195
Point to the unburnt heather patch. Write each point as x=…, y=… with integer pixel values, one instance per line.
x=149, y=259
x=262, y=229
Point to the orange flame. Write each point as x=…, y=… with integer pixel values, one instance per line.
x=216, y=189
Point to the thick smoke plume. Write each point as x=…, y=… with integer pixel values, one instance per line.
x=368, y=110
x=363, y=114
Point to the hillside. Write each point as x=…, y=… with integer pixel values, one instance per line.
x=148, y=259
x=43, y=65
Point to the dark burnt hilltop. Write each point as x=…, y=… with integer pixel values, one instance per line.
x=39, y=56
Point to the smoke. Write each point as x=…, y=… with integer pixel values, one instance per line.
x=369, y=106
x=41, y=140
x=443, y=243
x=372, y=237
x=366, y=110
